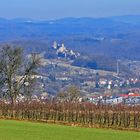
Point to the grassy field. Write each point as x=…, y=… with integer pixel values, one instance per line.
x=15, y=130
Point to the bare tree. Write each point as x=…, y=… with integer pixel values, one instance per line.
x=15, y=70
x=73, y=93
x=62, y=96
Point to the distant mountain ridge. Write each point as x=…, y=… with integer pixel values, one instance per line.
x=116, y=37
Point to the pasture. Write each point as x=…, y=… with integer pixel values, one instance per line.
x=22, y=130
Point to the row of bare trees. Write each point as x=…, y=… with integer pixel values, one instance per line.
x=75, y=113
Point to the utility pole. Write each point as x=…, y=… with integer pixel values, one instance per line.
x=118, y=67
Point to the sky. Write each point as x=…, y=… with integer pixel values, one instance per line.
x=55, y=9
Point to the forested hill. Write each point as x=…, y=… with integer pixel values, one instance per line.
x=113, y=36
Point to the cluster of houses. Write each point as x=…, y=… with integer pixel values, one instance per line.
x=104, y=83
x=129, y=99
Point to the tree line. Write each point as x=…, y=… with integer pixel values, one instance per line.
x=74, y=113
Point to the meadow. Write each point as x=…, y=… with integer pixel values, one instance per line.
x=23, y=130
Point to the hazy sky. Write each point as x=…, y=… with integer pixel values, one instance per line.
x=52, y=9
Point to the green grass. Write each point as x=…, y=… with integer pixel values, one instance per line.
x=16, y=130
